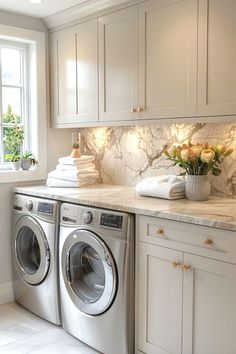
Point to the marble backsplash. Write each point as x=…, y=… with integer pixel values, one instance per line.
x=125, y=155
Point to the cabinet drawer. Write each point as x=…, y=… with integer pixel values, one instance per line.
x=202, y=240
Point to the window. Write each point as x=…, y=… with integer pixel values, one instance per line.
x=14, y=99
x=23, y=96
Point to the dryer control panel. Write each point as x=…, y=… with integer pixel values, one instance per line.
x=113, y=223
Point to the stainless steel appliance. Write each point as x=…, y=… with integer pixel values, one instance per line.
x=35, y=255
x=97, y=277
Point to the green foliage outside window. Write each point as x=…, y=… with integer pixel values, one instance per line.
x=13, y=136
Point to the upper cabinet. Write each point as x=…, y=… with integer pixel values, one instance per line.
x=74, y=69
x=118, y=65
x=217, y=57
x=161, y=59
x=168, y=58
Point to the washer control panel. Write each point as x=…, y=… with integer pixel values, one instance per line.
x=43, y=208
x=109, y=222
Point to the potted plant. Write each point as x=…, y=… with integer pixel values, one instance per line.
x=14, y=160
x=197, y=161
x=27, y=160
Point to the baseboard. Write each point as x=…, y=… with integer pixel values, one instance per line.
x=6, y=293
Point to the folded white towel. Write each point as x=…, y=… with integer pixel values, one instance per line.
x=83, y=166
x=74, y=175
x=68, y=160
x=167, y=187
x=54, y=182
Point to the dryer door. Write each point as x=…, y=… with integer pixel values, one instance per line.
x=89, y=272
x=31, y=250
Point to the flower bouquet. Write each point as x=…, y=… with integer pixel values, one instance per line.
x=197, y=161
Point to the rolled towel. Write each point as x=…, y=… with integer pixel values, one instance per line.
x=68, y=160
x=62, y=167
x=167, y=187
x=55, y=182
x=74, y=175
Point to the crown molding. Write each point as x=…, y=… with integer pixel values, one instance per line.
x=85, y=11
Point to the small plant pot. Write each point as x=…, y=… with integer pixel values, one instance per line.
x=25, y=164
x=15, y=165
x=197, y=188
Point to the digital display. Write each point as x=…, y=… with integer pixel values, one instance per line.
x=45, y=208
x=111, y=220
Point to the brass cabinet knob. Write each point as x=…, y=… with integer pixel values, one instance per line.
x=186, y=266
x=176, y=264
x=133, y=110
x=159, y=231
x=140, y=109
x=207, y=241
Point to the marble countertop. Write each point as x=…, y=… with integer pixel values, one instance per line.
x=216, y=212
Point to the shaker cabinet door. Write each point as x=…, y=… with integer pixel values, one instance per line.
x=118, y=65
x=63, y=70
x=168, y=58
x=74, y=68
x=160, y=300
x=209, y=306
x=217, y=58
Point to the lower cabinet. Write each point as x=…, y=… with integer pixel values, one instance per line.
x=186, y=303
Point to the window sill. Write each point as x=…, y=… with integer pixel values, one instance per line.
x=9, y=176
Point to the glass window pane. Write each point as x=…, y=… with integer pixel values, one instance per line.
x=11, y=96
x=11, y=66
x=12, y=141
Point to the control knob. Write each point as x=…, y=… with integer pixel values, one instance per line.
x=29, y=205
x=88, y=217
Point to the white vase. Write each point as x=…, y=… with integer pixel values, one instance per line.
x=15, y=165
x=197, y=188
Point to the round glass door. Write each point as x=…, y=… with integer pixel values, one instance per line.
x=89, y=272
x=31, y=250
x=27, y=249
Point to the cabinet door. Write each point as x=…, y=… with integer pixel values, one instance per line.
x=118, y=65
x=75, y=75
x=209, y=310
x=217, y=57
x=63, y=80
x=160, y=300
x=87, y=72
x=168, y=58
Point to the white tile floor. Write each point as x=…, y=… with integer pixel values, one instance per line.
x=21, y=332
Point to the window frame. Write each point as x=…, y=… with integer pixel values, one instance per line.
x=25, y=122
x=37, y=106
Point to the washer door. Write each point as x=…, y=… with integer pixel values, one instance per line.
x=31, y=250
x=89, y=272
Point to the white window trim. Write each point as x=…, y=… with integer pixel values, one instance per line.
x=38, y=104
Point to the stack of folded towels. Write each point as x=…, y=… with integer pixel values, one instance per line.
x=167, y=187
x=73, y=172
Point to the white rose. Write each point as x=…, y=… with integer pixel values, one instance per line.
x=184, y=154
x=207, y=155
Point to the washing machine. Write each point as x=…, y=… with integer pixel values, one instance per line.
x=35, y=256
x=97, y=277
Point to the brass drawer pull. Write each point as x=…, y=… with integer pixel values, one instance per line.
x=176, y=264
x=159, y=231
x=133, y=110
x=207, y=241
x=186, y=266
x=140, y=109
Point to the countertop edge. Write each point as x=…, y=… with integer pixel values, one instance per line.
x=174, y=216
